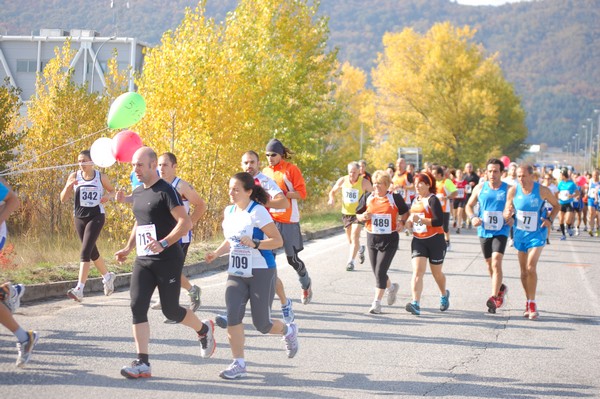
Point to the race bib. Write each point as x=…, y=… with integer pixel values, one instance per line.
x=592, y=192
x=563, y=195
x=89, y=197
x=419, y=227
x=493, y=220
x=381, y=223
x=527, y=220
x=240, y=262
x=349, y=195
x=143, y=234
x=468, y=189
x=460, y=193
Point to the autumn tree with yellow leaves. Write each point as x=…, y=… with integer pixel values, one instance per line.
x=62, y=119
x=440, y=92
x=214, y=91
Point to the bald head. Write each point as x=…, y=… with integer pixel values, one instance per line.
x=144, y=162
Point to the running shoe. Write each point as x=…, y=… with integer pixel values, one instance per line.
x=156, y=305
x=350, y=266
x=234, y=371
x=194, y=294
x=501, y=296
x=391, y=293
x=13, y=299
x=491, y=304
x=511, y=242
x=109, y=285
x=221, y=320
x=361, y=254
x=75, y=294
x=24, y=349
x=375, y=307
x=207, y=342
x=533, y=313
x=591, y=233
x=563, y=238
x=570, y=231
x=287, y=311
x=458, y=231
x=291, y=340
x=413, y=307
x=307, y=292
x=445, y=301
x=547, y=241
x=137, y=369
x=576, y=231
x=526, y=312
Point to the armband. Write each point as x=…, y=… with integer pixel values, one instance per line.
x=256, y=242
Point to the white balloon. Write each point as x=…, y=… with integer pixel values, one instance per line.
x=101, y=152
x=556, y=173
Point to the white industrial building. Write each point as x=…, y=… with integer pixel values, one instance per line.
x=22, y=57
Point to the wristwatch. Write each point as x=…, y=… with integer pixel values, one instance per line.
x=256, y=242
x=163, y=243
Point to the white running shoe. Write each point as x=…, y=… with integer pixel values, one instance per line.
x=109, y=285
x=75, y=294
x=207, y=342
x=391, y=293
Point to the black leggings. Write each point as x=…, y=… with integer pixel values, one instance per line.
x=151, y=273
x=382, y=249
x=89, y=229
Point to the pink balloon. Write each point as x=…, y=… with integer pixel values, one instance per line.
x=505, y=160
x=581, y=181
x=125, y=144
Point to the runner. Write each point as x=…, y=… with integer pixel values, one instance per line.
x=380, y=211
x=363, y=170
x=402, y=182
x=167, y=168
x=426, y=220
x=289, y=179
x=567, y=193
x=10, y=295
x=353, y=186
x=89, y=185
x=460, y=200
x=526, y=202
x=445, y=191
x=276, y=199
x=578, y=203
x=250, y=238
x=492, y=229
x=472, y=178
x=161, y=221
x=548, y=181
x=593, y=188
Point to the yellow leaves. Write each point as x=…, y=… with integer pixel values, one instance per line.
x=441, y=86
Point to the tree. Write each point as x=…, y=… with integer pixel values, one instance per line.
x=438, y=91
x=9, y=133
x=62, y=118
x=214, y=91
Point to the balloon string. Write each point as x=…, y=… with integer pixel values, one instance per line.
x=16, y=172
x=3, y=172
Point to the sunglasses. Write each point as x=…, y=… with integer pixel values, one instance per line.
x=272, y=155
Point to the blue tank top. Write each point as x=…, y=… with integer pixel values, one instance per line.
x=491, y=206
x=529, y=210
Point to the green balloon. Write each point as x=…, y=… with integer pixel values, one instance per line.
x=126, y=110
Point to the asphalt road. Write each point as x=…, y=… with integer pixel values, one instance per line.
x=344, y=351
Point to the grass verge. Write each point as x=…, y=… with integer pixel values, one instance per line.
x=30, y=260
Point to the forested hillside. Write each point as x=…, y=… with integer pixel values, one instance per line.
x=549, y=49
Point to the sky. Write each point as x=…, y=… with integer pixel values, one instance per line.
x=486, y=2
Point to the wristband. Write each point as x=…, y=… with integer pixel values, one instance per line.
x=256, y=242
x=472, y=217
